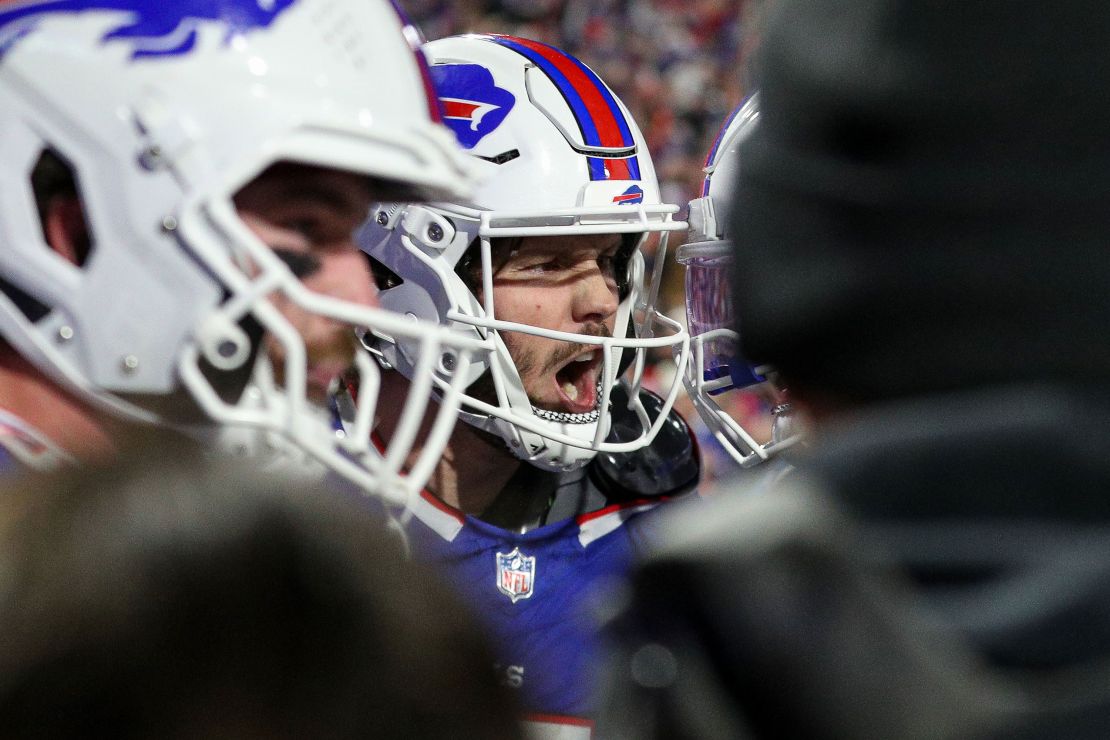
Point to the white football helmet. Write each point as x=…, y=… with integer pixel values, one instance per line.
x=561, y=156
x=716, y=364
x=163, y=111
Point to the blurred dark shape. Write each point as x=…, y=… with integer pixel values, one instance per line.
x=927, y=203
x=923, y=217
x=932, y=572
x=172, y=597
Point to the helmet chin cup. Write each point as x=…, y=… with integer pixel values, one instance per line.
x=544, y=453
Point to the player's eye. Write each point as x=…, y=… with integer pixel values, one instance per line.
x=543, y=264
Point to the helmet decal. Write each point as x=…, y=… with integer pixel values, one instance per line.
x=473, y=106
x=154, y=28
x=632, y=196
x=599, y=117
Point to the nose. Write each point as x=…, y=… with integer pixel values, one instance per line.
x=595, y=298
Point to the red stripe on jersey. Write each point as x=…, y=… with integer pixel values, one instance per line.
x=618, y=507
x=559, y=719
x=451, y=511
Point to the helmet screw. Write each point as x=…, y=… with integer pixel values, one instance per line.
x=382, y=218
x=65, y=333
x=169, y=224
x=227, y=348
x=151, y=157
x=447, y=360
x=435, y=232
x=130, y=363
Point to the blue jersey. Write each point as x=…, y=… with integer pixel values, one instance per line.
x=538, y=591
x=537, y=594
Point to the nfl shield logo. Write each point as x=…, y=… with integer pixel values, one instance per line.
x=516, y=574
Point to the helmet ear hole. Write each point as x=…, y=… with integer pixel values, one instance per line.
x=57, y=197
x=62, y=221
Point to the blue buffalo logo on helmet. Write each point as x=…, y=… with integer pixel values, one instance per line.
x=154, y=28
x=472, y=105
x=633, y=195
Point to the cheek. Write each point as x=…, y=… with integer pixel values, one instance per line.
x=306, y=324
x=534, y=306
x=319, y=334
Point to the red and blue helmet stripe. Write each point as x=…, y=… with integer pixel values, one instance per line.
x=717, y=144
x=415, y=38
x=597, y=112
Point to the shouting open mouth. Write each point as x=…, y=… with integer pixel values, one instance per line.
x=578, y=388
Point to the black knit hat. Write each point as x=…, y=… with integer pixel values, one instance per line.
x=926, y=202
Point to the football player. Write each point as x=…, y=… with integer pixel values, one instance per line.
x=180, y=183
x=718, y=373
x=543, y=492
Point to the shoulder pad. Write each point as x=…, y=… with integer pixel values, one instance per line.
x=669, y=466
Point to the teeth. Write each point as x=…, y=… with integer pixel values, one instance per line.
x=585, y=358
x=571, y=390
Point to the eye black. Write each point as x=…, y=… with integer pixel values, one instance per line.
x=301, y=264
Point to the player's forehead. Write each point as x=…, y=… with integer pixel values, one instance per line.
x=289, y=182
x=292, y=182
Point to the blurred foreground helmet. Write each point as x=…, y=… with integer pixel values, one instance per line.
x=161, y=112
x=561, y=156
x=717, y=366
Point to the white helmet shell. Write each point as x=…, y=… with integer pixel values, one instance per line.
x=163, y=111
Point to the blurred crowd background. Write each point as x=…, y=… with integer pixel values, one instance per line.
x=681, y=66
